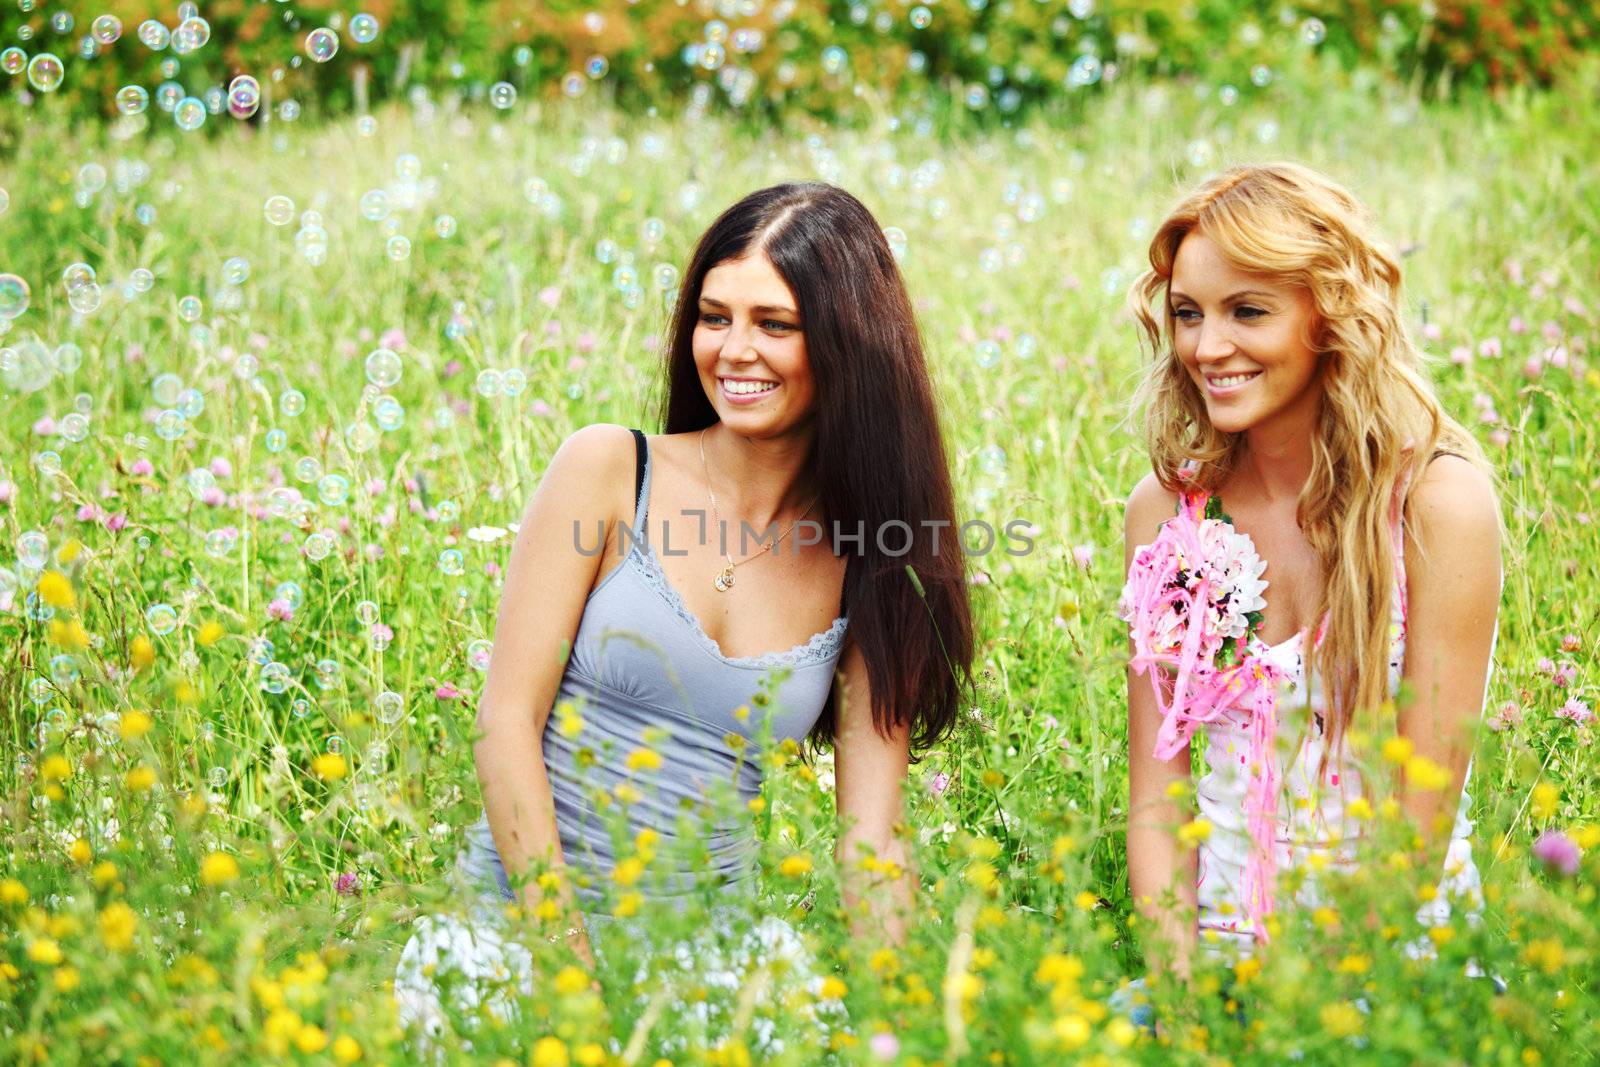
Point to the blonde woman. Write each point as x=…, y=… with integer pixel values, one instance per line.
x=1285, y=388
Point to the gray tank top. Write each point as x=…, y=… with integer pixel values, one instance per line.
x=642, y=667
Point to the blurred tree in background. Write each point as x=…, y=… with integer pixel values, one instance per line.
x=832, y=58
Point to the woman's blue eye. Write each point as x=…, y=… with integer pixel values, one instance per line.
x=1248, y=312
x=773, y=324
x=1186, y=314
x=711, y=318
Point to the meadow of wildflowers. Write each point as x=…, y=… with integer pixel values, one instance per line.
x=273, y=399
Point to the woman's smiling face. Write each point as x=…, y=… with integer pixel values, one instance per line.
x=750, y=349
x=1245, y=339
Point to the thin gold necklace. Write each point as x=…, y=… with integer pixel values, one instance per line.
x=724, y=579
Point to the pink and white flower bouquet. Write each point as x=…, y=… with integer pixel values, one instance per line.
x=1193, y=605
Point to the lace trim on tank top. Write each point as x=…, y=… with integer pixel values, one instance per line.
x=821, y=648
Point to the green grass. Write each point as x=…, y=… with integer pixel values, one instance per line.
x=1484, y=197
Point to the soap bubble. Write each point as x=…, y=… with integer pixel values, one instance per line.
x=333, y=489
x=154, y=35
x=14, y=296
x=897, y=241
x=85, y=299
x=1086, y=70
x=389, y=706
x=33, y=550
x=170, y=425
x=597, y=67
x=388, y=413
x=190, y=114
x=191, y=35
x=13, y=60
x=478, y=653
x=361, y=437
x=383, y=368
x=132, y=99
x=106, y=29
x=397, y=247
x=160, y=618
x=921, y=17
x=45, y=72
x=275, y=677
x=502, y=95
x=279, y=210
x=363, y=28
x=1312, y=31
x=244, y=96
x=322, y=44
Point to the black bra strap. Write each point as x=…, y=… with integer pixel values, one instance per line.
x=638, y=463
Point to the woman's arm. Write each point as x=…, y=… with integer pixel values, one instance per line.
x=1157, y=864
x=547, y=583
x=869, y=770
x=1453, y=597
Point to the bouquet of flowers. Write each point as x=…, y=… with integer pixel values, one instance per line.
x=1193, y=604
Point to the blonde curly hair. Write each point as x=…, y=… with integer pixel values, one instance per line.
x=1379, y=422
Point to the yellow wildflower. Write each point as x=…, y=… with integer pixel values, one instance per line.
x=644, y=759
x=982, y=875
x=1547, y=954
x=80, y=852
x=1356, y=963
x=219, y=868
x=70, y=551
x=571, y=980
x=135, y=724
x=141, y=653
x=209, y=634
x=1398, y=749
x=311, y=1039
x=67, y=979
x=1072, y=1030
x=1545, y=799
x=795, y=866
x=13, y=892
x=55, y=589
x=1342, y=1019
x=346, y=1049
x=55, y=768
x=549, y=1052
x=69, y=634
x=139, y=779
x=1193, y=833
x=629, y=904
x=832, y=989
x=590, y=1055
x=45, y=951
x=1359, y=808
x=117, y=925
x=628, y=871
x=1425, y=774
x=1056, y=969
x=330, y=766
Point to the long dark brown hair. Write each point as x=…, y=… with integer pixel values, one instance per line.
x=878, y=454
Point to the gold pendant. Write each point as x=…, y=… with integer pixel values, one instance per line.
x=725, y=579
